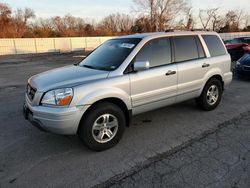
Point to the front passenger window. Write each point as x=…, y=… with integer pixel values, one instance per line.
x=157, y=52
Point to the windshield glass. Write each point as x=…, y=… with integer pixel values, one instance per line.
x=110, y=55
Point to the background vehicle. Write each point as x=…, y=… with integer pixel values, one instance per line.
x=237, y=47
x=126, y=76
x=240, y=40
x=242, y=67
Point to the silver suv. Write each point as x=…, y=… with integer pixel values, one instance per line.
x=126, y=76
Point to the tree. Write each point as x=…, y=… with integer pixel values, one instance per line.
x=148, y=7
x=142, y=24
x=187, y=22
x=89, y=30
x=153, y=15
x=20, y=21
x=232, y=21
x=110, y=23
x=5, y=19
x=42, y=28
x=160, y=12
x=211, y=19
x=247, y=23
x=217, y=20
x=205, y=17
x=125, y=22
x=117, y=23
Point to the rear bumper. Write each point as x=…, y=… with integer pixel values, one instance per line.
x=63, y=121
x=228, y=77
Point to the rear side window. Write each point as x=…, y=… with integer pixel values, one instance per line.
x=157, y=52
x=214, y=44
x=185, y=48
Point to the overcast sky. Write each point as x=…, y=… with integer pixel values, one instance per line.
x=97, y=9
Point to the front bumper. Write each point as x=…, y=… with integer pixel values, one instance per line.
x=63, y=121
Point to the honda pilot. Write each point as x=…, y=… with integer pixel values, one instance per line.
x=126, y=76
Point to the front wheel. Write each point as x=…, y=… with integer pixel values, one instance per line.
x=211, y=95
x=102, y=127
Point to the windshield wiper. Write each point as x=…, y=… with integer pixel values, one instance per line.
x=96, y=68
x=89, y=66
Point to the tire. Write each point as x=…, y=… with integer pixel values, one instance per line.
x=210, y=101
x=98, y=123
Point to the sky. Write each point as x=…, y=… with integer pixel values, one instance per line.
x=97, y=9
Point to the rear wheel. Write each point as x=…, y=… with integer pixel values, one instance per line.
x=211, y=95
x=102, y=127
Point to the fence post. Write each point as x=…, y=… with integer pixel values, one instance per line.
x=100, y=41
x=71, y=44
x=86, y=44
x=35, y=45
x=15, y=46
x=54, y=42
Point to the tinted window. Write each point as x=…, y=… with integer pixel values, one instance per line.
x=157, y=52
x=247, y=40
x=111, y=54
x=185, y=48
x=236, y=41
x=214, y=44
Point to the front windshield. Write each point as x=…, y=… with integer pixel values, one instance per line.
x=110, y=55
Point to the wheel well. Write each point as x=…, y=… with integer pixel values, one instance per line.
x=218, y=77
x=119, y=103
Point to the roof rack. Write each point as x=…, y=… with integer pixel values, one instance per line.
x=173, y=30
x=169, y=30
x=200, y=30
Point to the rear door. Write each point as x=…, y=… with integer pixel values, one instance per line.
x=192, y=65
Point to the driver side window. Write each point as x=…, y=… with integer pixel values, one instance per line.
x=157, y=52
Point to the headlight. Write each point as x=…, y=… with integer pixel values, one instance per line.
x=58, y=97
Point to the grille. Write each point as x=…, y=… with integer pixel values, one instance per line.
x=31, y=92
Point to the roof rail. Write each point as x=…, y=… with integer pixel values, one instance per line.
x=169, y=30
x=173, y=30
x=200, y=30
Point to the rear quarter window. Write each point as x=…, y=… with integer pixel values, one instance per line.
x=214, y=44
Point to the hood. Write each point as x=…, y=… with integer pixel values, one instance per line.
x=68, y=76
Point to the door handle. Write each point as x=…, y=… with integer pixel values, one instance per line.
x=170, y=72
x=205, y=65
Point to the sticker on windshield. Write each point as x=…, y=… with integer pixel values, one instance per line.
x=113, y=67
x=127, y=45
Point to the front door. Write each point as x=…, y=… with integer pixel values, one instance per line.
x=157, y=86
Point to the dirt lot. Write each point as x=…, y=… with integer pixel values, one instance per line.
x=30, y=158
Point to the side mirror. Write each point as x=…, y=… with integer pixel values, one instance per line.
x=141, y=65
